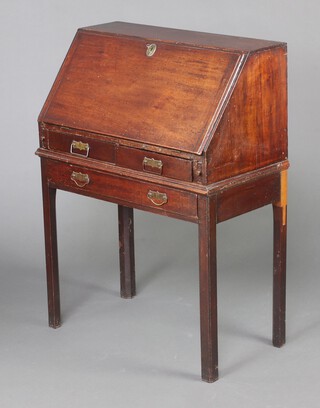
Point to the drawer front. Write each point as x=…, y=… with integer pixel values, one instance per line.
x=81, y=146
x=155, y=163
x=114, y=188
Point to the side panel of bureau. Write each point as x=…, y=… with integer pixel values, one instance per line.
x=248, y=196
x=253, y=129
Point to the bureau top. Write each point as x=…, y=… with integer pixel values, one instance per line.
x=193, y=38
x=159, y=87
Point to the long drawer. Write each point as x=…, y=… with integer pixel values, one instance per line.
x=118, y=189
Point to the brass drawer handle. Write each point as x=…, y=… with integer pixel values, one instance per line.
x=152, y=165
x=157, y=198
x=82, y=147
x=80, y=179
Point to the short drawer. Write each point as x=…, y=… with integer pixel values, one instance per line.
x=156, y=163
x=122, y=190
x=81, y=146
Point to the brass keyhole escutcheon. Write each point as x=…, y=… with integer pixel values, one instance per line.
x=151, y=49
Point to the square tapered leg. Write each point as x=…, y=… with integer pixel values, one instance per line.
x=51, y=247
x=126, y=252
x=208, y=288
x=279, y=264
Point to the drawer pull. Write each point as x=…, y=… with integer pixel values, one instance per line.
x=157, y=198
x=80, y=179
x=81, y=147
x=152, y=165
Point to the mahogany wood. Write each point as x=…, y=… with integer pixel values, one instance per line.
x=99, y=150
x=248, y=196
x=126, y=252
x=51, y=247
x=120, y=189
x=172, y=167
x=193, y=187
x=252, y=132
x=208, y=287
x=279, y=264
x=191, y=38
x=209, y=112
x=46, y=128
x=163, y=116
x=279, y=276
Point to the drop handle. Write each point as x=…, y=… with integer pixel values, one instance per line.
x=152, y=165
x=157, y=198
x=79, y=148
x=80, y=179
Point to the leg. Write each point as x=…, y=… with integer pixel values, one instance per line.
x=279, y=264
x=208, y=288
x=50, y=231
x=126, y=252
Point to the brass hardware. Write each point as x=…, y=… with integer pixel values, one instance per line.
x=151, y=49
x=78, y=145
x=157, y=198
x=154, y=165
x=80, y=179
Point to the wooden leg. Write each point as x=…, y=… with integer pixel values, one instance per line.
x=208, y=288
x=50, y=231
x=126, y=252
x=279, y=265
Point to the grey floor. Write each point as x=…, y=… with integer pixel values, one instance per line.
x=145, y=352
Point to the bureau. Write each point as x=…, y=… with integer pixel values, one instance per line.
x=184, y=124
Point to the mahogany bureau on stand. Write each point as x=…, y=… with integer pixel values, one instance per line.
x=184, y=124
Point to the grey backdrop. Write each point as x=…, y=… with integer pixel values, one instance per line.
x=145, y=352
